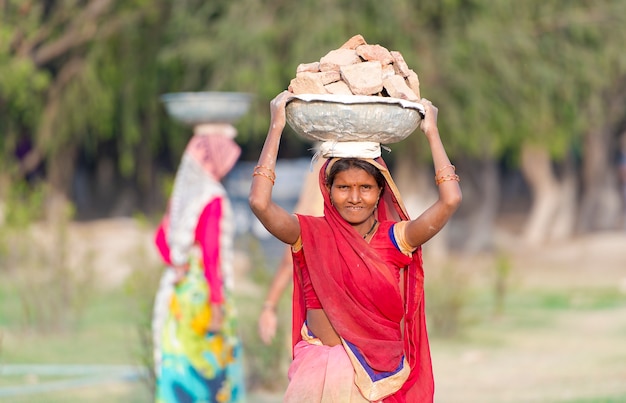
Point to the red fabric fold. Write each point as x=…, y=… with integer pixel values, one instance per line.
x=207, y=234
x=357, y=292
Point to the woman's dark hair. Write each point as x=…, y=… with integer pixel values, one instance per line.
x=344, y=164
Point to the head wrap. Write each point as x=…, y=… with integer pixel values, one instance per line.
x=350, y=149
x=212, y=146
x=210, y=155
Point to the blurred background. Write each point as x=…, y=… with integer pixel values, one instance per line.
x=526, y=287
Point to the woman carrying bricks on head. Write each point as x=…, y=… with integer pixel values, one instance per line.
x=198, y=352
x=359, y=330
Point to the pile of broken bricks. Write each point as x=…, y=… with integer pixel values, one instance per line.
x=357, y=68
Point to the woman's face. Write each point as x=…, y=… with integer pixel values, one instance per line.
x=355, y=193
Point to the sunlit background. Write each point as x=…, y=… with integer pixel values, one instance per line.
x=526, y=287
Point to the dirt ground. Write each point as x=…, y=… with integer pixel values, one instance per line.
x=581, y=357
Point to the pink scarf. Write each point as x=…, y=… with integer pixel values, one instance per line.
x=216, y=153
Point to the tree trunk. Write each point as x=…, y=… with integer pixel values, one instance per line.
x=553, y=203
x=600, y=206
x=60, y=170
x=483, y=217
x=565, y=216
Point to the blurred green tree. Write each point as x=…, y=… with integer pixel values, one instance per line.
x=78, y=75
x=535, y=84
x=530, y=83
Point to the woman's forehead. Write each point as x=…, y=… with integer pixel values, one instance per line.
x=354, y=174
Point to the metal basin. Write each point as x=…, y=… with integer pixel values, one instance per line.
x=321, y=117
x=193, y=108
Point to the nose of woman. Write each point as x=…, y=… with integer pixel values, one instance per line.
x=355, y=195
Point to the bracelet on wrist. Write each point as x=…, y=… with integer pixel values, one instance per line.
x=451, y=177
x=444, y=168
x=263, y=174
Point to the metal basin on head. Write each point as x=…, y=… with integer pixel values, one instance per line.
x=194, y=108
x=327, y=117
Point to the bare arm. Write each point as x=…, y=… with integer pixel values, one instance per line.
x=268, y=320
x=278, y=221
x=310, y=202
x=431, y=221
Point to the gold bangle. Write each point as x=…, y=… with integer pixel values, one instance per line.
x=270, y=170
x=257, y=173
x=451, y=177
x=447, y=177
x=444, y=167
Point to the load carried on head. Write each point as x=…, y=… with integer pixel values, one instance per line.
x=357, y=68
x=357, y=93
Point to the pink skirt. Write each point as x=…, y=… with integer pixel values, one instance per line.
x=321, y=373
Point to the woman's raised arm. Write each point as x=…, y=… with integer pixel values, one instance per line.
x=278, y=221
x=431, y=221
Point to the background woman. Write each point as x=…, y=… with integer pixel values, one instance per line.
x=198, y=353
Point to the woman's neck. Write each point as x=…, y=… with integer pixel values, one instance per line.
x=371, y=229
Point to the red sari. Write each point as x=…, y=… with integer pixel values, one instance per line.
x=364, y=300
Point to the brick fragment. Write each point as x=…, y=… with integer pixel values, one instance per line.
x=388, y=71
x=307, y=83
x=354, y=42
x=399, y=64
x=334, y=59
x=413, y=82
x=325, y=77
x=338, y=88
x=312, y=67
x=375, y=52
x=328, y=77
x=363, y=78
x=396, y=87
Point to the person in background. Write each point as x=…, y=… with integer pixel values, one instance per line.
x=359, y=328
x=198, y=354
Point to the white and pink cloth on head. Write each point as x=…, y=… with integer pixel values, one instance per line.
x=214, y=148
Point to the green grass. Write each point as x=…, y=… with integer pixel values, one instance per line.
x=113, y=328
x=106, y=330
x=131, y=392
x=604, y=399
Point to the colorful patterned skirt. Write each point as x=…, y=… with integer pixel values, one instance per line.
x=193, y=365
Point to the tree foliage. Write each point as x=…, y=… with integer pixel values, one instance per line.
x=87, y=74
x=526, y=71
